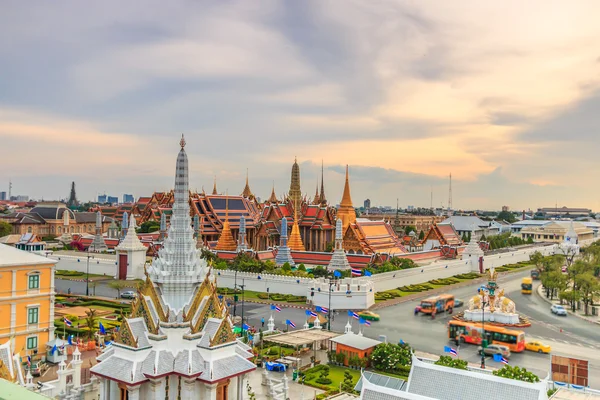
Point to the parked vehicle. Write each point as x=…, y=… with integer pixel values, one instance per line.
x=128, y=295
x=558, y=310
x=38, y=368
x=535, y=274
x=526, y=285
x=440, y=303
x=538, y=347
x=458, y=303
x=492, y=349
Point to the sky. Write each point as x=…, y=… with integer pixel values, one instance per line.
x=502, y=95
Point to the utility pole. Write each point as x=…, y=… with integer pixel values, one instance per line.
x=450, y=195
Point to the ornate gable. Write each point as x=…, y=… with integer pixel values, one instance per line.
x=125, y=335
x=140, y=309
x=5, y=372
x=224, y=333
x=201, y=292
x=351, y=239
x=212, y=308
x=150, y=290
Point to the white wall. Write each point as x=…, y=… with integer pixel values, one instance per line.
x=98, y=265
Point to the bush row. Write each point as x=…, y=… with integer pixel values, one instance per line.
x=468, y=275
x=416, y=288
x=444, y=281
x=62, y=272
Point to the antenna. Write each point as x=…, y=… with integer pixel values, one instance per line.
x=450, y=195
x=9, y=189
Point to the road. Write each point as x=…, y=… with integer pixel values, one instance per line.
x=568, y=336
x=102, y=289
x=578, y=338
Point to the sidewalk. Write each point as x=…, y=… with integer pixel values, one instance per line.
x=578, y=313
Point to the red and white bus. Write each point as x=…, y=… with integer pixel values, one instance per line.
x=470, y=332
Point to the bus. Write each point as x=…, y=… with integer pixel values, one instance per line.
x=526, y=285
x=535, y=274
x=470, y=332
x=441, y=303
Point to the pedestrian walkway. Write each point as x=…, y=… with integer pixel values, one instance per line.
x=578, y=313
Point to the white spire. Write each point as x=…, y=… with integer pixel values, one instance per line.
x=179, y=267
x=131, y=240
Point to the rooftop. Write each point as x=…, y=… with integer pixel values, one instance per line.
x=10, y=256
x=356, y=341
x=12, y=391
x=302, y=337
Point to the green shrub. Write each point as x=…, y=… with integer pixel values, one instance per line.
x=263, y=296
x=324, y=381
x=62, y=272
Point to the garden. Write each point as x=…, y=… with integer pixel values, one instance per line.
x=423, y=287
x=85, y=312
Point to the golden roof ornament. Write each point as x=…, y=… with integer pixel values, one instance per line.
x=182, y=141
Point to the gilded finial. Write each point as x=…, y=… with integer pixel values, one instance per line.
x=182, y=141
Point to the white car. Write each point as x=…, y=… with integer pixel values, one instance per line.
x=128, y=295
x=558, y=310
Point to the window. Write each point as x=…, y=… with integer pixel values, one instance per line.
x=33, y=315
x=34, y=281
x=32, y=343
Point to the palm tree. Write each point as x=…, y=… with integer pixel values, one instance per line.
x=90, y=321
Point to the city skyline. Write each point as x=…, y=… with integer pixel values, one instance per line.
x=503, y=96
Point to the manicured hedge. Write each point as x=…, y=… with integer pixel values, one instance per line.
x=468, y=275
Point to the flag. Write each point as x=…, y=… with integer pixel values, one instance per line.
x=275, y=307
x=313, y=314
x=454, y=352
x=401, y=341
x=290, y=323
x=67, y=322
x=29, y=361
x=318, y=308
x=337, y=274
x=70, y=339
x=500, y=359
x=53, y=349
x=367, y=322
x=368, y=273
x=356, y=272
x=324, y=310
x=355, y=315
x=245, y=327
x=307, y=312
x=361, y=321
x=101, y=328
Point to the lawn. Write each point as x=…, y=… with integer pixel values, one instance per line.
x=336, y=374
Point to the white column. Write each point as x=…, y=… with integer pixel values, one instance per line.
x=187, y=389
x=240, y=387
x=133, y=392
x=62, y=377
x=76, y=364
x=211, y=391
x=158, y=388
x=14, y=283
x=173, y=387
x=114, y=391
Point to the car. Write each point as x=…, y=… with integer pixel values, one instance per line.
x=492, y=349
x=371, y=316
x=38, y=368
x=130, y=294
x=458, y=303
x=538, y=346
x=558, y=310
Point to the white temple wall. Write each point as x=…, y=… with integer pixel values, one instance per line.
x=99, y=266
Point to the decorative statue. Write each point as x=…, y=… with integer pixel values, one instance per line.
x=477, y=301
x=505, y=304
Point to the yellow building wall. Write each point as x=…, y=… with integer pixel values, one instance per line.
x=16, y=295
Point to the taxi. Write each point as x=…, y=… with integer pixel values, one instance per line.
x=537, y=346
x=368, y=315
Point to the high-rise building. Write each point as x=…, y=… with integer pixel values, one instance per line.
x=2, y=195
x=128, y=198
x=102, y=198
x=367, y=204
x=112, y=199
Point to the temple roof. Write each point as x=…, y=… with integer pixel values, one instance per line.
x=444, y=233
x=375, y=237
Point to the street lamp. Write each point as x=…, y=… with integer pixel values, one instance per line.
x=484, y=339
x=331, y=283
x=242, y=325
x=87, y=278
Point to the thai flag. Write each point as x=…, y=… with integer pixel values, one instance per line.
x=503, y=360
x=275, y=307
x=324, y=310
x=67, y=322
x=355, y=315
x=313, y=314
x=454, y=352
x=367, y=322
x=356, y=272
x=291, y=323
x=29, y=361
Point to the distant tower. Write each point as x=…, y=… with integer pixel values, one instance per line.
x=163, y=226
x=283, y=252
x=346, y=211
x=294, y=194
x=317, y=199
x=450, y=195
x=98, y=244
x=72, y=197
x=9, y=189
x=124, y=224
x=241, y=246
x=226, y=241
x=247, y=193
x=295, y=240
x=322, y=196
x=215, y=186
x=397, y=220
x=273, y=197
x=338, y=258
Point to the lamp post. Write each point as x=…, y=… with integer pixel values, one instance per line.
x=243, y=285
x=484, y=339
x=234, y=291
x=87, y=278
x=331, y=283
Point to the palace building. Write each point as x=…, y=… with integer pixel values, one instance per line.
x=178, y=341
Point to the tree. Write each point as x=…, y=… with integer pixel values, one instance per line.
x=554, y=282
x=422, y=235
x=517, y=373
x=329, y=247
x=506, y=216
x=5, y=228
x=118, y=286
x=301, y=267
x=464, y=237
x=538, y=259
x=448, y=361
x=348, y=383
x=286, y=267
x=149, y=226
x=571, y=296
x=391, y=357
x=410, y=228
x=588, y=288
x=90, y=321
